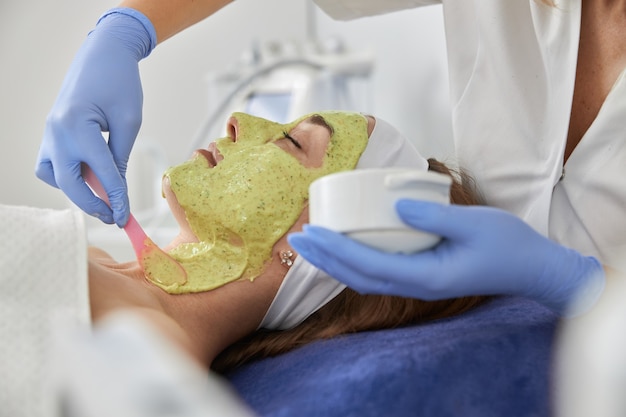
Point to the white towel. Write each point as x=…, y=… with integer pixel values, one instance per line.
x=43, y=275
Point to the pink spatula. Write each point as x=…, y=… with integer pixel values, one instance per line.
x=157, y=265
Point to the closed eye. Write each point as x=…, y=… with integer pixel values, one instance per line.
x=295, y=142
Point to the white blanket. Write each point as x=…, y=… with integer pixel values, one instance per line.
x=43, y=275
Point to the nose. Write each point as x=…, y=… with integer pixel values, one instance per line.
x=232, y=128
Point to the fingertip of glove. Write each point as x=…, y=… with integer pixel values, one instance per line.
x=409, y=204
x=45, y=173
x=297, y=241
x=412, y=210
x=120, y=218
x=301, y=243
x=103, y=217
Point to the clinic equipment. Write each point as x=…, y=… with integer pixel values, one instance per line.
x=282, y=81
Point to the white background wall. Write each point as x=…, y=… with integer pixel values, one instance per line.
x=38, y=40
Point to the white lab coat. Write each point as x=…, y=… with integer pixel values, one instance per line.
x=512, y=72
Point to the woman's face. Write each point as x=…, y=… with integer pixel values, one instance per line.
x=236, y=198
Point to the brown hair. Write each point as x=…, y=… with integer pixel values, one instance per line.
x=351, y=312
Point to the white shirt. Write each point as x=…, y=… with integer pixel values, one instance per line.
x=512, y=72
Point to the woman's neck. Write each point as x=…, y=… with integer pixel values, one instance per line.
x=202, y=324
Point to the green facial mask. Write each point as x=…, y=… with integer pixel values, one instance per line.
x=241, y=207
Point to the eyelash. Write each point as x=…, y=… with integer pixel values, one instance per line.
x=295, y=142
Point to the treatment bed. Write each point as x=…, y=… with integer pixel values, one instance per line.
x=492, y=361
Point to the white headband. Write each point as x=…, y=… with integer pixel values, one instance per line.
x=305, y=289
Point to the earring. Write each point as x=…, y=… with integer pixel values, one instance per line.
x=286, y=258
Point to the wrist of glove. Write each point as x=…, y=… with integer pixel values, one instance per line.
x=484, y=251
x=570, y=284
x=133, y=26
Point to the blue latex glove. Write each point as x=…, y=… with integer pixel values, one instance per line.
x=101, y=93
x=484, y=251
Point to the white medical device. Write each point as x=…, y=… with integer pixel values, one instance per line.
x=282, y=81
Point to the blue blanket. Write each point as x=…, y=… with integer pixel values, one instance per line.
x=492, y=361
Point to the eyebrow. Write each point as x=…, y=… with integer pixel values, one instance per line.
x=316, y=119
